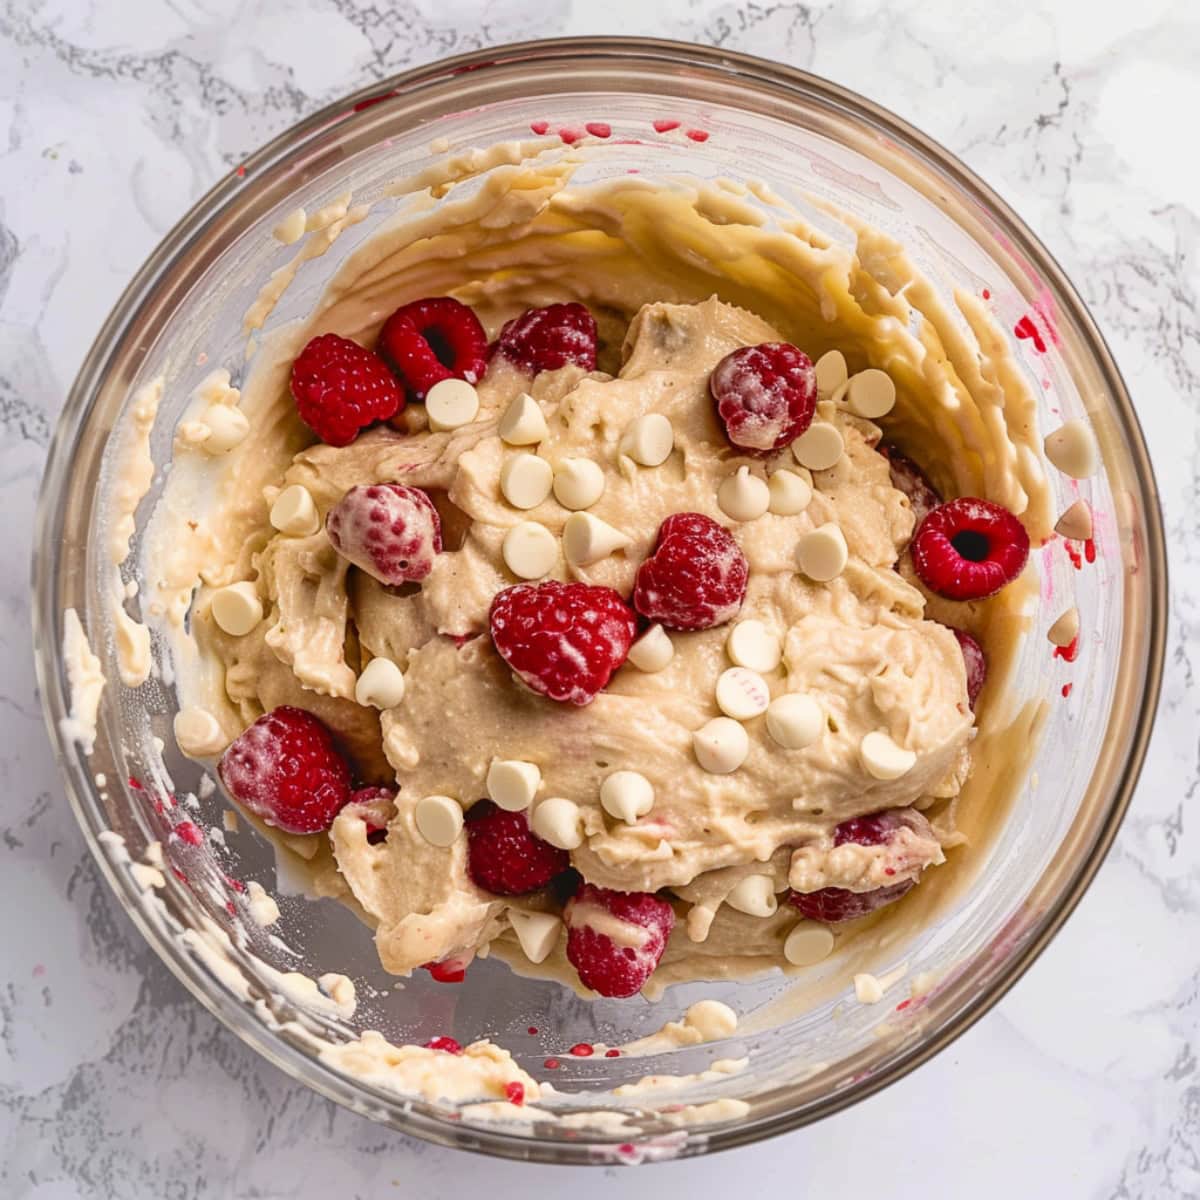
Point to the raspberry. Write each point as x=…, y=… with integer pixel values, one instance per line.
x=339, y=388
x=872, y=830
x=375, y=805
x=976, y=663
x=612, y=969
x=908, y=478
x=696, y=577
x=285, y=769
x=544, y=339
x=832, y=905
x=390, y=530
x=968, y=548
x=447, y=970
x=765, y=395
x=504, y=857
x=448, y=1044
x=564, y=640
x=433, y=339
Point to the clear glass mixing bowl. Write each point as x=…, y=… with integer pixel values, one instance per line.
x=811, y=1049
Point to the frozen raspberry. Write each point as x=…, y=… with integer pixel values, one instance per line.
x=613, y=969
x=504, y=857
x=448, y=1044
x=832, y=905
x=390, y=530
x=696, y=577
x=339, y=388
x=375, y=805
x=968, y=548
x=765, y=395
x=976, y=663
x=908, y=478
x=433, y=339
x=544, y=339
x=286, y=770
x=872, y=830
x=564, y=640
x=447, y=970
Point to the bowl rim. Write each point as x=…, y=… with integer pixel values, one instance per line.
x=51, y=516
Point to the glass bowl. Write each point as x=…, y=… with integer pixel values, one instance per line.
x=811, y=1048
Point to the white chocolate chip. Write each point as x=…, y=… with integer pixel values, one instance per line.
x=1066, y=629
x=790, y=493
x=439, y=820
x=831, y=373
x=537, y=933
x=227, y=427
x=871, y=394
x=1072, y=449
x=291, y=228
x=525, y=480
x=558, y=822
x=237, y=608
x=530, y=550
x=263, y=909
x=754, y=896
x=523, y=423
x=823, y=553
x=742, y=496
x=819, y=447
x=649, y=440
x=587, y=539
x=512, y=784
x=868, y=989
x=1076, y=522
x=742, y=694
x=808, y=944
x=627, y=795
x=451, y=403
x=751, y=644
x=578, y=483
x=721, y=746
x=381, y=684
x=883, y=759
x=198, y=733
x=711, y=1019
x=653, y=651
x=295, y=513
x=795, y=720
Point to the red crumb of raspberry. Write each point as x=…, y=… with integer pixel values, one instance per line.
x=1066, y=689
x=969, y=548
x=627, y=1148
x=563, y=640
x=390, y=530
x=903, y=1005
x=765, y=395
x=1089, y=550
x=663, y=125
x=514, y=1091
x=286, y=770
x=570, y=136
x=236, y=884
x=544, y=339
x=600, y=129
x=583, y=1050
x=340, y=388
x=433, y=339
x=1074, y=555
x=135, y=783
x=697, y=135
x=1025, y=328
x=231, y=908
x=539, y=127
x=975, y=662
x=613, y=1053
x=987, y=295
x=908, y=478
x=449, y=970
x=532, y=1030
x=504, y=856
x=833, y=905
x=551, y=1064
x=448, y=1044
x=609, y=968
x=1070, y=652
x=695, y=579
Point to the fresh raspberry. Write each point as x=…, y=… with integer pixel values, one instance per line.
x=975, y=661
x=544, y=339
x=696, y=577
x=875, y=829
x=448, y=1044
x=504, y=857
x=908, y=478
x=433, y=339
x=339, y=388
x=390, y=530
x=285, y=769
x=969, y=548
x=765, y=395
x=446, y=970
x=564, y=640
x=515, y=1091
x=375, y=806
x=613, y=969
x=832, y=905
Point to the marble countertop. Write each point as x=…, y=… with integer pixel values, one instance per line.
x=1084, y=1081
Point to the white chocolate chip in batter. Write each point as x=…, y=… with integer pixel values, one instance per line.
x=198, y=733
x=530, y=550
x=578, y=483
x=871, y=394
x=627, y=795
x=1066, y=629
x=742, y=694
x=795, y=720
x=868, y=989
x=439, y=820
x=525, y=480
x=754, y=896
x=537, y=933
x=512, y=784
x=587, y=539
x=649, y=440
x=295, y=513
x=1076, y=522
x=721, y=746
x=227, y=427
x=790, y=493
x=819, y=447
x=882, y=758
x=523, y=423
x=237, y=608
x=831, y=373
x=711, y=1019
x=381, y=684
x=558, y=822
x=450, y=404
x=823, y=553
x=291, y=228
x=742, y=496
x=1072, y=449
x=808, y=944
x=653, y=651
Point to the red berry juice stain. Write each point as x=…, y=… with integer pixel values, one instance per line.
x=583, y=1050
x=1068, y=653
x=613, y=1053
x=448, y=1044
x=1074, y=555
x=363, y=105
x=515, y=1091
x=135, y=783
x=1025, y=328
x=633, y=171
x=903, y=1005
x=539, y=127
x=1089, y=550
x=188, y=831
x=532, y=1030
x=1066, y=689
x=697, y=135
x=570, y=136
x=159, y=806
x=552, y=1064
x=665, y=126
x=231, y=908
x=600, y=129
x=39, y=970
x=627, y=1148
x=178, y=874
x=241, y=172
x=236, y=884
x=987, y=295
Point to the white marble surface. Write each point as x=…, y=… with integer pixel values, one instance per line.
x=115, y=115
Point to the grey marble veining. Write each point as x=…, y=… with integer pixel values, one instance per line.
x=114, y=117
